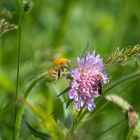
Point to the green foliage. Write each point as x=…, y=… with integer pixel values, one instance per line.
x=66, y=90
x=41, y=135
x=132, y=117
x=50, y=29
x=121, y=56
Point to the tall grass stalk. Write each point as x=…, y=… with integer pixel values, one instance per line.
x=1, y=51
x=18, y=65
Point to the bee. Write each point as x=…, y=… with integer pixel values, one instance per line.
x=59, y=65
x=100, y=84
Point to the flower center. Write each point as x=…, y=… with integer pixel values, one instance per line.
x=88, y=84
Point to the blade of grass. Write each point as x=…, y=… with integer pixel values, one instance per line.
x=41, y=135
x=113, y=126
x=134, y=75
x=1, y=51
x=21, y=15
x=69, y=102
x=50, y=124
x=64, y=91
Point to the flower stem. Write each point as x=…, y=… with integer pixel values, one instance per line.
x=75, y=122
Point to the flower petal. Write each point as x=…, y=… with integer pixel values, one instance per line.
x=82, y=102
x=72, y=93
x=74, y=84
x=90, y=105
x=75, y=73
x=76, y=98
x=78, y=105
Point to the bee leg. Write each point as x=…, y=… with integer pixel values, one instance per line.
x=59, y=73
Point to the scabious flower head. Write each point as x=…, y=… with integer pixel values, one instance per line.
x=86, y=80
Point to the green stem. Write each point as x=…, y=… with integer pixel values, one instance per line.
x=129, y=135
x=21, y=109
x=18, y=65
x=18, y=56
x=1, y=51
x=75, y=122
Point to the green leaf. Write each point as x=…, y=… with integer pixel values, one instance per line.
x=69, y=102
x=38, y=134
x=66, y=90
x=50, y=124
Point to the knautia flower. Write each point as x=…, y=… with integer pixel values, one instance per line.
x=86, y=81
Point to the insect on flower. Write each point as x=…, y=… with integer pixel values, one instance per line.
x=59, y=65
x=87, y=80
x=100, y=84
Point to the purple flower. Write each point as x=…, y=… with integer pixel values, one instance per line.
x=86, y=81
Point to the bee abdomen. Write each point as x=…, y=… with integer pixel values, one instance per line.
x=54, y=73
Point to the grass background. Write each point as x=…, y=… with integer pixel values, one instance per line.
x=63, y=28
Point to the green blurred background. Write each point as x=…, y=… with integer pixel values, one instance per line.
x=62, y=28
